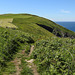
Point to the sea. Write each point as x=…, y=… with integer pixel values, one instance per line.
x=68, y=25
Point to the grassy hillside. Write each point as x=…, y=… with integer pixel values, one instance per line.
x=52, y=55
x=37, y=25
x=30, y=27
x=10, y=42
x=44, y=23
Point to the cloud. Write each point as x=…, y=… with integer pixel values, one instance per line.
x=65, y=11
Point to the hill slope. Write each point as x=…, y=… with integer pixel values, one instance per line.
x=52, y=55
x=38, y=25
x=46, y=24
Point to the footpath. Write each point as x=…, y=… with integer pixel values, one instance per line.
x=31, y=65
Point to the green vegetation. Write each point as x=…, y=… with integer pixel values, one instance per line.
x=9, y=69
x=55, y=56
x=52, y=55
x=30, y=27
x=26, y=70
x=7, y=16
x=40, y=24
x=10, y=42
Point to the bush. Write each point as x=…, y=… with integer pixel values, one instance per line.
x=55, y=56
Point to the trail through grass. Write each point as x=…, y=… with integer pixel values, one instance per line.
x=17, y=62
x=31, y=64
x=21, y=63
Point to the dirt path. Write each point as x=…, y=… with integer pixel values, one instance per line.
x=17, y=62
x=31, y=64
x=31, y=50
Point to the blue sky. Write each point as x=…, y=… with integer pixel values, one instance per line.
x=56, y=10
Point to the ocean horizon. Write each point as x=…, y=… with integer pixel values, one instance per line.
x=68, y=25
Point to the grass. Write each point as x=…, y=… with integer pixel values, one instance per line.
x=36, y=23
x=50, y=51
x=10, y=42
x=29, y=27
x=55, y=56
x=10, y=69
x=7, y=23
x=25, y=69
x=6, y=16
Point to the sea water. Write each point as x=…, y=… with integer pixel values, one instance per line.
x=68, y=25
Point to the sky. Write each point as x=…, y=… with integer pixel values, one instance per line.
x=55, y=10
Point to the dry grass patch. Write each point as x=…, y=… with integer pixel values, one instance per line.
x=7, y=23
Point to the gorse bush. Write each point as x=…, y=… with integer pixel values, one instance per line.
x=55, y=56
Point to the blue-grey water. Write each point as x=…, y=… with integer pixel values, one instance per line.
x=68, y=25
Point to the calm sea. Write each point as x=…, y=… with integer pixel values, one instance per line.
x=68, y=25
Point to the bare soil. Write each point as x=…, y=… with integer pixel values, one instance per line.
x=17, y=62
x=31, y=64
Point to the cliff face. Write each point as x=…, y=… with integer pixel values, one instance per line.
x=58, y=32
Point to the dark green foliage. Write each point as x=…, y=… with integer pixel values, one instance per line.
x=9, y=69
x=55, y=56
